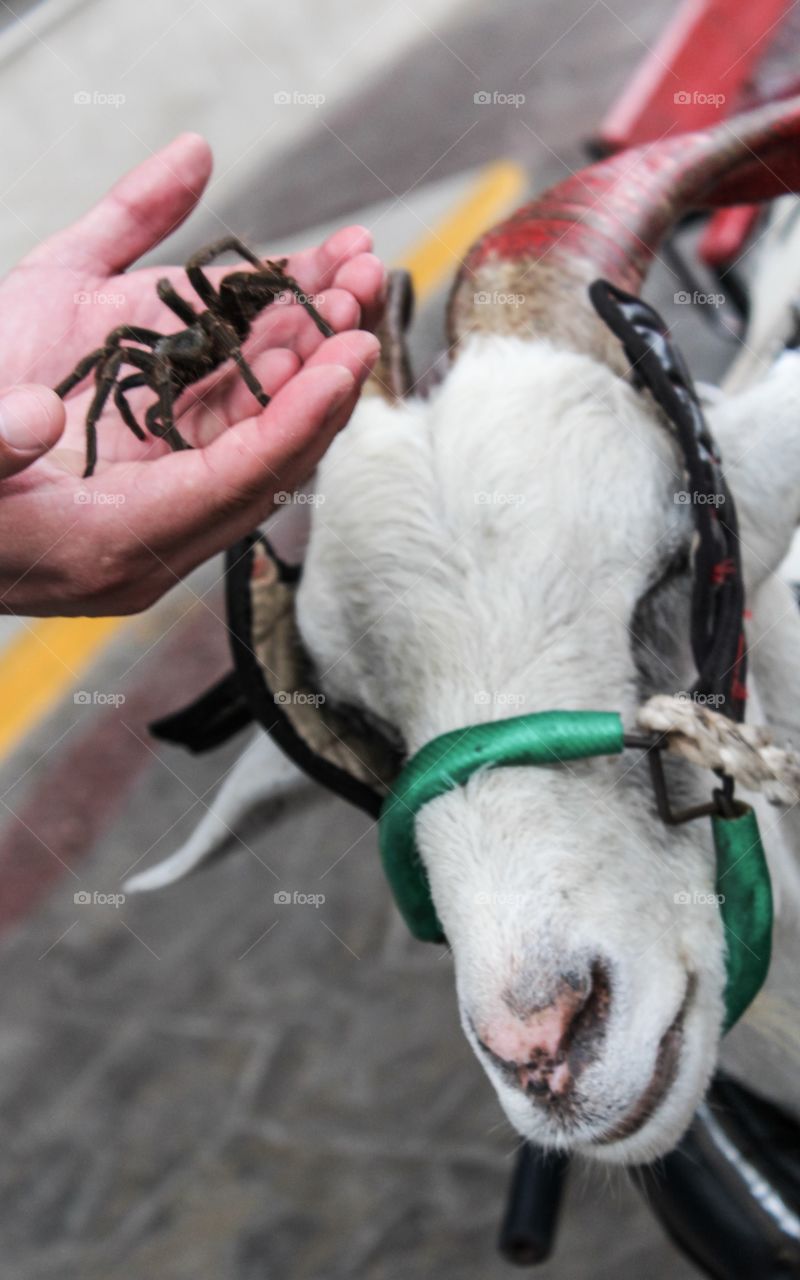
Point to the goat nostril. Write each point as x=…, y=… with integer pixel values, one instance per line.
x=537, y=1086
x=545, y=1047
x=589, y=1023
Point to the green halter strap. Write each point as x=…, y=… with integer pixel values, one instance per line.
x=551, y=737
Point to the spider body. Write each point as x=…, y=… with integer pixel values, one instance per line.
x=169, y=363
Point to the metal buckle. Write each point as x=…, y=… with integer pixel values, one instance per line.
x=722, y=803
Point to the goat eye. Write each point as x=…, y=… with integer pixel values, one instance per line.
x=669, y=572
x=676, y=566
x=659, y=624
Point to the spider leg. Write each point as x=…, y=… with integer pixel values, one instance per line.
x=290, y=284
x=228, y=244
x=168, y=432
x=82, y=368
x=171, y=298
x=133, y=333
x=229, y=341
x=160, y=416
x=147, y=363
x=197, y=277
x=120, y=400
x=249, y=377
x=104, y=378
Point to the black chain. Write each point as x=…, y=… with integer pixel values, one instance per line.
x=717, y=605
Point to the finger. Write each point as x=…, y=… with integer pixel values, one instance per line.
x=315, y=269
x=242, y=516
x=189, y=506
x=271, y=452
x=287, y=324
x=196, y=503
x=139, y=211
x=193, y=504
x=356, y=350
x=365, y=277
x=230, y=400
x=282, y=323
x=31, y=421
x=223, y=400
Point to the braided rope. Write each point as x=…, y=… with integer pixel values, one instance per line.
x=742, y=751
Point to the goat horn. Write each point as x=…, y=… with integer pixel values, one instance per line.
x=529, y=274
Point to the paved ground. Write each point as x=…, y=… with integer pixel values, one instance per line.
x=203, y=1085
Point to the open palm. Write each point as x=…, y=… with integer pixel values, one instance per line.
x=60, y=303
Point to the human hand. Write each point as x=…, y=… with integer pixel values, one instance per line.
x=114, y=543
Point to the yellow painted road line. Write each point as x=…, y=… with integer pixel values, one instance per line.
x=498, y=190
x=40, y=664
x=48, y=658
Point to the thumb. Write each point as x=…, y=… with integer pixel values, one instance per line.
x=31, y=422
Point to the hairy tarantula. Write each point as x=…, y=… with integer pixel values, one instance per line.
x=168, y=363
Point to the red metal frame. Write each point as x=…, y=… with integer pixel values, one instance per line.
x=707, y=52
x=702, y=63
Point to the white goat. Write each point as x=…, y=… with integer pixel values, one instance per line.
x=514, y=544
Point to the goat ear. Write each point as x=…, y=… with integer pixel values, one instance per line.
x=773, y=639
x=772, y=296
x=332, y=745
x=760, y=445
x=392, y=376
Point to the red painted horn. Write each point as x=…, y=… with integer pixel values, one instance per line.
x=609, y=219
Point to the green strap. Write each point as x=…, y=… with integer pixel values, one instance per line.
x=448, y=761
x=549, y=737
x=745, y=904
